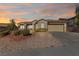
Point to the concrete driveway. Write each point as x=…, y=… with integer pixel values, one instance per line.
x=70, y=47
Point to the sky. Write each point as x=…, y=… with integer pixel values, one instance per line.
x=37, y=10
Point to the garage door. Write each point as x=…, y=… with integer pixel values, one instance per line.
x=58, y=28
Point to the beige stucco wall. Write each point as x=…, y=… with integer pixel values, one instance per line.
x=58, y=28
x=41, y=24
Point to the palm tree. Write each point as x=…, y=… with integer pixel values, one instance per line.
x=12, y=25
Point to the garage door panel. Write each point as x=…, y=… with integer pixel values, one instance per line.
x=58, y=28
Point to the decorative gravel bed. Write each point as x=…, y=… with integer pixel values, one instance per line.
x=36, y=40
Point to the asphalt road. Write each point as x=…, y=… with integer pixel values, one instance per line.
x=70, y=47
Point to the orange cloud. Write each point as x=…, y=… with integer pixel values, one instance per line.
x=4, y=20
x=18, y=20
x=60, y=5
x=6, y=7
x=69, y=14
x=69, y=11
x=24, y=4
x=59, y=14
x=13, y=13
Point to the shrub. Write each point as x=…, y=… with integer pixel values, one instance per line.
x=17, y=32
x=12, y=27
x=41, y=30
x=25, y=32
x=1, y=30
x=4, y=33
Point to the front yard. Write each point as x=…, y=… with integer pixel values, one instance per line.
x=12, y=43
x=41, y=43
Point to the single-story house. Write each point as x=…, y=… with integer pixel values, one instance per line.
x=44, y=25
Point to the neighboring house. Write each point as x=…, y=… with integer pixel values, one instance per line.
x=71, y=24
x=72, y=21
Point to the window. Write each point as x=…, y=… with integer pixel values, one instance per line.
x=30, y=26
x=21, y=27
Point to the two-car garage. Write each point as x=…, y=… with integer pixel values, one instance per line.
x=57, y=27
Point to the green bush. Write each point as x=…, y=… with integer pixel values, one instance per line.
x=41, y=30
x=12, y=27
x=1, y=30
x=17, y=32
x=25, y=32
x=77, y=23
x=4, y=33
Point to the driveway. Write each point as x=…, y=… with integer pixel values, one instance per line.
x=70, y=47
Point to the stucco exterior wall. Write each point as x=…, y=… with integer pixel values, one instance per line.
x=41, y=26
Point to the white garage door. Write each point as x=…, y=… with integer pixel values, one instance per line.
x=57, y=28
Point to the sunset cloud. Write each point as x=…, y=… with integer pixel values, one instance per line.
x=25, y=4
x=59, y=14
x=13, y=13
x=6, y=7
x=18, y=20
x=35, y=10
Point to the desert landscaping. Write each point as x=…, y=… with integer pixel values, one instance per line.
x=41, y=43
x=36, y=40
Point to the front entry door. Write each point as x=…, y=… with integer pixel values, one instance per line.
x=42, y=25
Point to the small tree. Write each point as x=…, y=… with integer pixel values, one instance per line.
x=12, y=25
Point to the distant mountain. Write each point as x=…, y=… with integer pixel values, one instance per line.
x=4, y=20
